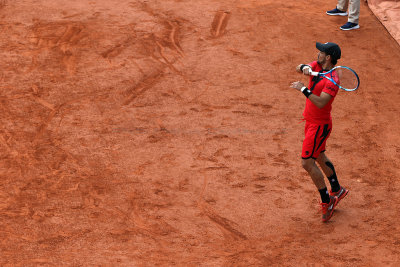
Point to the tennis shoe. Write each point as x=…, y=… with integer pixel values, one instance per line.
x=327, y=208
x=339, y=194
x=350, y=26
x=336, y=12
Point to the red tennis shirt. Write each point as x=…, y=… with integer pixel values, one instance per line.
x=311, y=112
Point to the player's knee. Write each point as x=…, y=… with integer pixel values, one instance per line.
x=307, y=164
x=322, y=158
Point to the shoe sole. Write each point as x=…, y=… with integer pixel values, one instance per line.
x=337, y=14
x=352, y=28
x=333, y=209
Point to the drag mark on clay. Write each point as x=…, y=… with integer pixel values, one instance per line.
x=173, y=36
x=47, y=35
x=35, y=96
x=219, y=23
x=117, y=49
x=45, y=123
x=169, y=64
x=54, y=111
x=113, y=52
x=44, y=103
x=64, y=36
x=145, y=84
x=224, y=224
x=71, y=36
x=4, y=140
x=203, y=190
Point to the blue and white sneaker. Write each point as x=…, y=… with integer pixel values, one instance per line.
x=336, y=12
x=350, y=26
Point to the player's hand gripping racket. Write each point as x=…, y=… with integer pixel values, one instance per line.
x=344, y=77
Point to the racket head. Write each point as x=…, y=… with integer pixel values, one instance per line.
x=344, y=77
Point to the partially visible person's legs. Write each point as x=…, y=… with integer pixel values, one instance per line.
x=342, y=5
x=354, y=11
x=353, y=7
x=339, y=10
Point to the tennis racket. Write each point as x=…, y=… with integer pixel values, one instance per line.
x=344, y=77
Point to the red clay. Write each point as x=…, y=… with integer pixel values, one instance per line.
x=161, y=133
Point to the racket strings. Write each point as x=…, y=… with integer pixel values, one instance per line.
x=346, y=78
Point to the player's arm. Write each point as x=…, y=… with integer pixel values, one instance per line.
x=319, y=101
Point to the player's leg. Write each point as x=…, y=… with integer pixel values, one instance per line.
x=317, y=177
x=322, y=159
x=328, y=202
x=329, y=170
x=326, y=164
x=327, y=167
x=312, y=144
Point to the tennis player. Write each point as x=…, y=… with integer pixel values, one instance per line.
x=320, y=94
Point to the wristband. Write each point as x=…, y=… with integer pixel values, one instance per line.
x=305, y=91
x=303, y=66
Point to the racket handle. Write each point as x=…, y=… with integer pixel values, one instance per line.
x=314, y=73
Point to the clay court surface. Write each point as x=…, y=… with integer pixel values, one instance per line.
x=164, y=133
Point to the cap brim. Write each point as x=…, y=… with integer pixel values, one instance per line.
x=320, y=46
